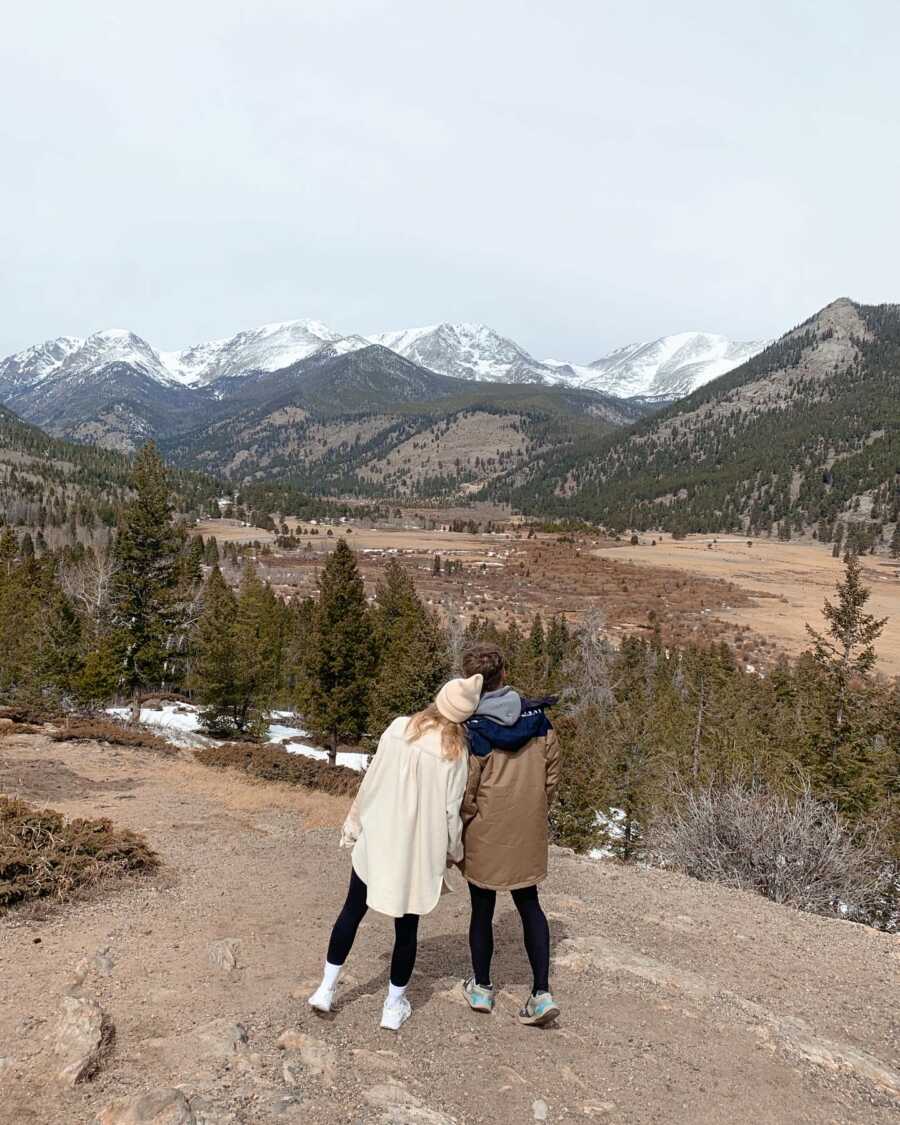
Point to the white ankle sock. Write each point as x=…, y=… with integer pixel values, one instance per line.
x=331, y=974
x=396, y=994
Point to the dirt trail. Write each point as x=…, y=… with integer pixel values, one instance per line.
x=682, y=1002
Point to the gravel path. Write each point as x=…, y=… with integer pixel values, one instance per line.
x=682, y=1002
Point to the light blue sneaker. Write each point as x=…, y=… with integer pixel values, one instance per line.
x=481, y=998
x=539, y=1010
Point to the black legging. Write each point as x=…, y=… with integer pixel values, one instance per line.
x=535, y=929
x=352, y=913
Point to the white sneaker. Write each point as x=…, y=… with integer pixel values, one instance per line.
x=393, y=1016
x=322, y=999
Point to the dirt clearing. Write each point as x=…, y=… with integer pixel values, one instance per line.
x=682, y=1002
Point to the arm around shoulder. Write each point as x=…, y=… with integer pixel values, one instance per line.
x=456, y=788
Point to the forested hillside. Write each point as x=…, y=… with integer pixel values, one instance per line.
x=803, y=435
x=59, y=488
x=375, y=425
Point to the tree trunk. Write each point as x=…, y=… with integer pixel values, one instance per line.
x=136, y=706
x=332, y=748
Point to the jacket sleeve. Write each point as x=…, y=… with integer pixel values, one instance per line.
x=470, y=800
x=553, y=765
x=352, y=825
x=456, y=788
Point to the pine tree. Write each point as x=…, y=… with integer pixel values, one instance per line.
x=848, y=756
x=147, y=549
x=258, y=645
x=340, y=657
x=9, y=549
x=193, y=560
x=848, y=648
x=557, y=648
x=60, y=661
x=211, y=552
x=895, y=542
x=413, y=658
x=214, y=675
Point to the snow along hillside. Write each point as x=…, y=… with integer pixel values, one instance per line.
x=268, y=348
x=670, y=367
x=468, y=351
x=72, y=359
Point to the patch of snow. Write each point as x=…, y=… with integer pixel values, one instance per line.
x=180, y=724
x=348, y=758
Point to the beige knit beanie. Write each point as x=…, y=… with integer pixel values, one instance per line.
x=458, y=699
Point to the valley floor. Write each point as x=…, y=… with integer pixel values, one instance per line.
x=682, y=1002
x=787, y=583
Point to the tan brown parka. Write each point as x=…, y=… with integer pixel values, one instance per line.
x=505, y=814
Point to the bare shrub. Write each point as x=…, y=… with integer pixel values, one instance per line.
x=794, y=851
x=44, y=855
x=109, y=730
x=272, y=763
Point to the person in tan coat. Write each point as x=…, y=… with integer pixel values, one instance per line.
x=513, y=774
x=404, y=828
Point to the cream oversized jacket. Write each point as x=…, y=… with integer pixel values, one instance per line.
x=405, y=823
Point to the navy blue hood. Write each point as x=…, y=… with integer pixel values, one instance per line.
x=486, y=735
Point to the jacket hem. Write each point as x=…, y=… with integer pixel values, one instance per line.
x=505, y=886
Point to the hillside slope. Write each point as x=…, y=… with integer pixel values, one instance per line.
x=804, y=432
x=682, y=1002
x=48, y=483
x=371, y=423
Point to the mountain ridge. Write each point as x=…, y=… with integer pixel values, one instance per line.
x=462, y=350
x=804, y=434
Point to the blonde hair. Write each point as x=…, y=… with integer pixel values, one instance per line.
x=453, y=738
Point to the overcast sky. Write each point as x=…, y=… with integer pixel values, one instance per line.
x=577, y=174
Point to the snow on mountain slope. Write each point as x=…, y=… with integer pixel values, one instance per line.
x=37, y=362
x=467, y=351
x=268, y=348
x=71, y=358
x=670, y=367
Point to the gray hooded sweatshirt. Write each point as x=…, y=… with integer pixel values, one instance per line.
x=504, y=706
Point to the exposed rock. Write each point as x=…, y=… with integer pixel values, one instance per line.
x=390, y=1094
x=84, y=1034
x=317, y=1057
x=401, y=1107
x=293, y=1072
x=384, y=1062
x=207, y=1114
x=283, y=1102
x=103, y=961
x=78, y=977
x=788, y=1032
x=540, y=1109
x=156, y=1107
x=222, y=1037
x=222, y=954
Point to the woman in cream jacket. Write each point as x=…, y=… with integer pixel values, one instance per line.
x=404, y=827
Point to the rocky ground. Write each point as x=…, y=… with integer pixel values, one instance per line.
x=181, y=998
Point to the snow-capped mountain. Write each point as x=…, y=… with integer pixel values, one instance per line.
x=115, y=387
x=667, y=368
x=670, y=367
x=468, y=351
x=71, y=358
x=268, y=348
